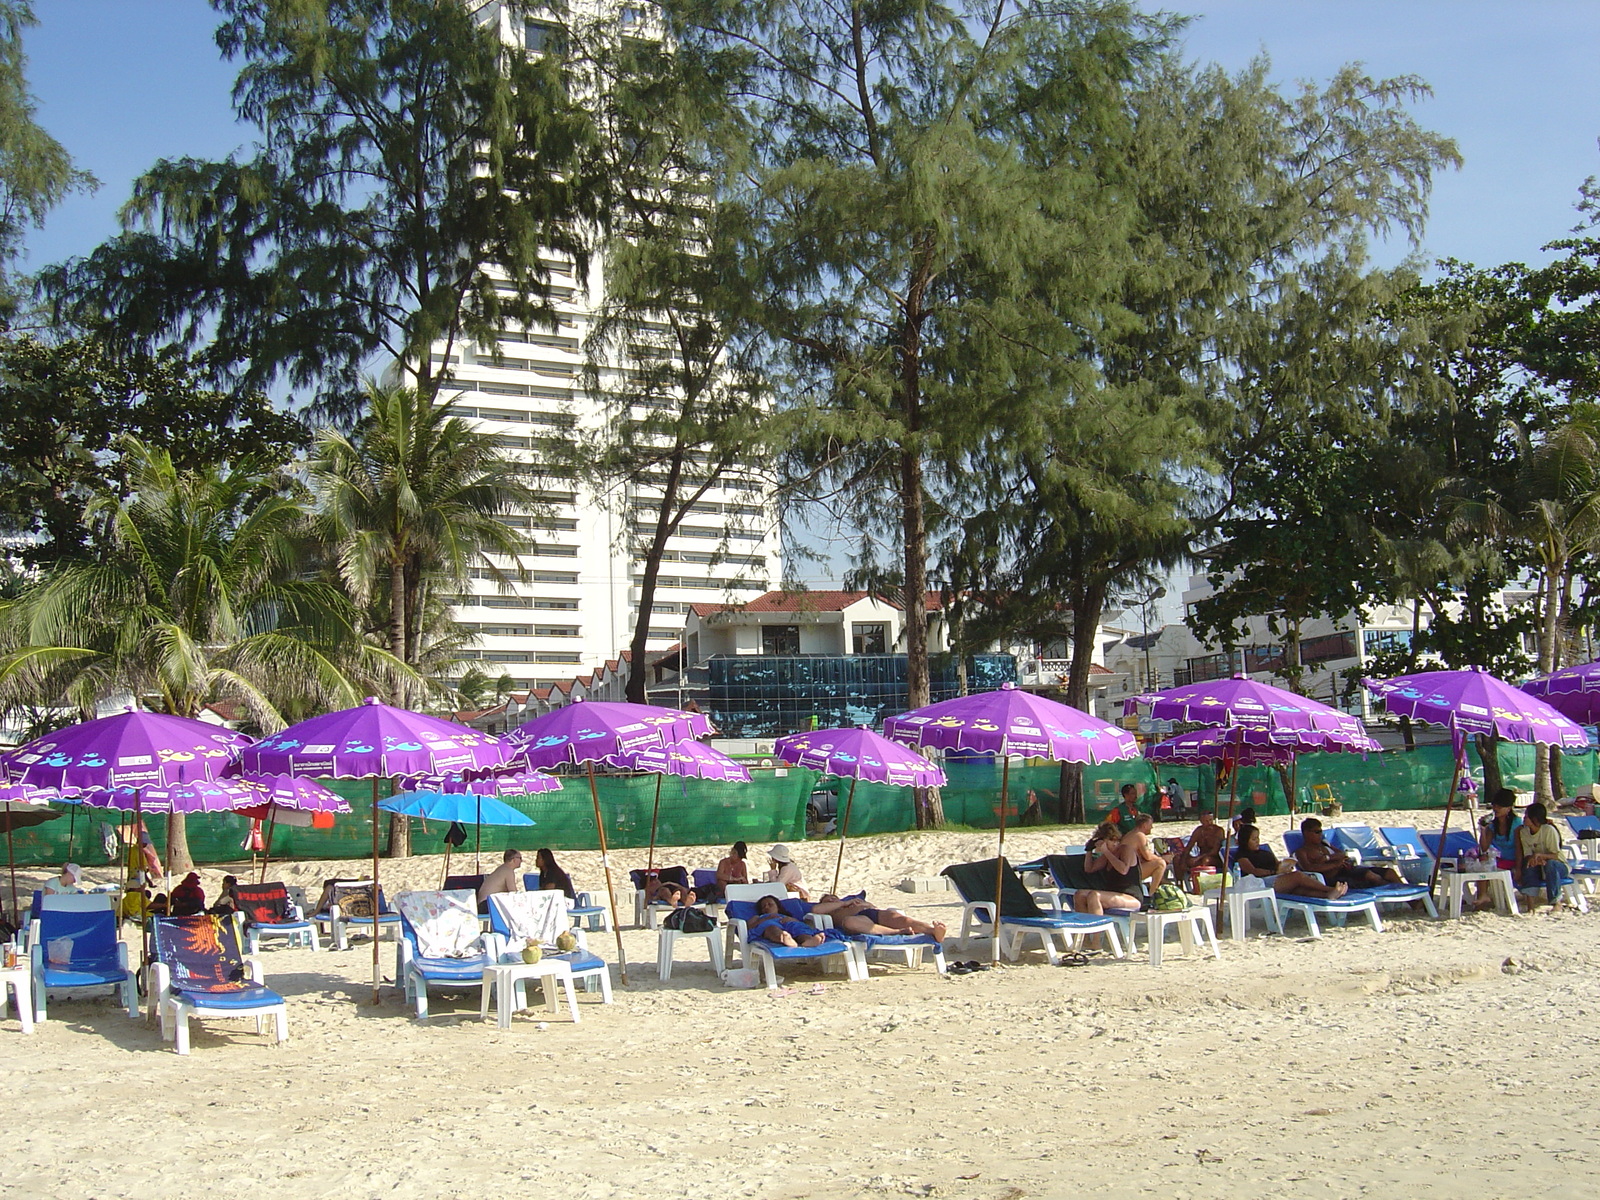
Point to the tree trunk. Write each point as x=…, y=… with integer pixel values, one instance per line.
x=914, y=530
x=179, y=860
x=1558, y=787
x=1489, y=754
x=637, y=678
x=1550, y=587
x=1072, y=794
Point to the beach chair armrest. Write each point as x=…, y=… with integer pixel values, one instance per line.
x=258, y=973
x=122, y=955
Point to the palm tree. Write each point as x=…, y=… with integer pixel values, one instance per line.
x=194, y=595
x=412, y=502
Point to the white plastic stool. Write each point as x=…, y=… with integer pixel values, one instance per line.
x=667, y=940
x=1188, y=922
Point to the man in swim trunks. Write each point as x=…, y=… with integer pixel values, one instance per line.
x=504, y=879
x=772, y=924
x=1152, y=866
x=857, y=916
x=1317, y=857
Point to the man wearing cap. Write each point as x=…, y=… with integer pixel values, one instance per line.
x=65, y=883
x=782, y=870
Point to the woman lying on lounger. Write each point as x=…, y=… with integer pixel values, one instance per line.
x=857, y=916
x=1255, y=859
x=772, y=924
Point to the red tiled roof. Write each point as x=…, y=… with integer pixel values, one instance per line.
x=706, y=610
x=826, y=601
x=541, y=693
x=1097, y=669
x=586, y=680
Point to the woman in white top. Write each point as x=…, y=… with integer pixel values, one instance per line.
x=782, y=870
x=66, y=882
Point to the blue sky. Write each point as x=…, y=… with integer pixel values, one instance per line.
x=124, y=82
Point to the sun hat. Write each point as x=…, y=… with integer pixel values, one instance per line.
x=780, y=853
x=74, y=870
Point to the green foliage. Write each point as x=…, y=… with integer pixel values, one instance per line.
x=410, y=503
x=64, y=407
x=36, y=172
x=404, y=156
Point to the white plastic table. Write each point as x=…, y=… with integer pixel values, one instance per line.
x=506, y=978
x=1500, y=884
x=18, y=979
x=1189, y=922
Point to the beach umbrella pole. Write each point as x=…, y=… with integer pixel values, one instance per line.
x=1444, y=832
x=1000, y=857
x=72, y=824
x=11, y=861
x=266, y=842
x=844, y=827
x=477, y=850
x=655, y=815
x=376, y=977
x=1227, y=833
x=605, y=861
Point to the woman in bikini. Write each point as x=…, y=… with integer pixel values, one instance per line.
x=1256, y=860
x=857, y=916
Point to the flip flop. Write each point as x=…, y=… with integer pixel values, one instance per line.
x=958, y=968
x=975, y=966
x=1074, y=958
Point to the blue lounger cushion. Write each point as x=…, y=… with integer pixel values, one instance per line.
x=468, y=970
x=243, y=998
x=1345, y=903
x=579, y=960
x=88, y=974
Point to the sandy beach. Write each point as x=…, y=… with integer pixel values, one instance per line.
x=1442, y=1058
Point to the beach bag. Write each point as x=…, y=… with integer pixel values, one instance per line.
x=688, y=920
x=1170, y=897
x=741, y=977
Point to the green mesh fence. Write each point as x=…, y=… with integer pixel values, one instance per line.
x=693, y=812
x=772, y=806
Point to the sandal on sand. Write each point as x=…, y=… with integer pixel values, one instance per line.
x=1074, y=958
x=974, y=965
x=779, y=993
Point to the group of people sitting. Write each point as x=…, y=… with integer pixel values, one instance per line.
x=507, y=877
x=1529, y=846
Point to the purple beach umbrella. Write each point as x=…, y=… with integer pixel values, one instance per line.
x=375, y=741
x=1252, y=747
x=1472, y=701
x=130, y=749
x=1011, y=722
x=857, y=754
x=1573, y=692
x=1247, y=706
x=587, y=732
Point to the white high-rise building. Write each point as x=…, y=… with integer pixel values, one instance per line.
x=574, y=603
x=574, y=606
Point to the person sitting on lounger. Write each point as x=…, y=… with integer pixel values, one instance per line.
x=1107, y=860
x=784, y=871
x=1255, y=859
x=187, y=899
x=1202, y=849
x=551, y=877
x=856, y=915
x=1335, y=866
x=772, y=924
x=660, y=891
x=734, y=868
x=1152, y=866
x=1539, y=857
x=66, y=883
x=505, y=878
x=227, y=901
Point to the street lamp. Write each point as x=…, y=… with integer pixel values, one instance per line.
x=1144, y=612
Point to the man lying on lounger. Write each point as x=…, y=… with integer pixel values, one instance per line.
x=1315, y=855
x=858, y=916
x=772, y=924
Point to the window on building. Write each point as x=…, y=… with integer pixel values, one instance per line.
x=1333, y=645
x=780, y=639
x=557, y=657
x=541, y=36
x=870, y=638
x=1386, y=641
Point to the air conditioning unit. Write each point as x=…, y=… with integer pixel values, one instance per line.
x=764, y=748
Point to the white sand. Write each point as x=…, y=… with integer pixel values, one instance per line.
x=1437, y=1059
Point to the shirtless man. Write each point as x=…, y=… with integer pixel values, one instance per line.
x=1316, y=856
x=507, y=877
x=1152, y=866
x=857, y=916
x=1202, y=849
